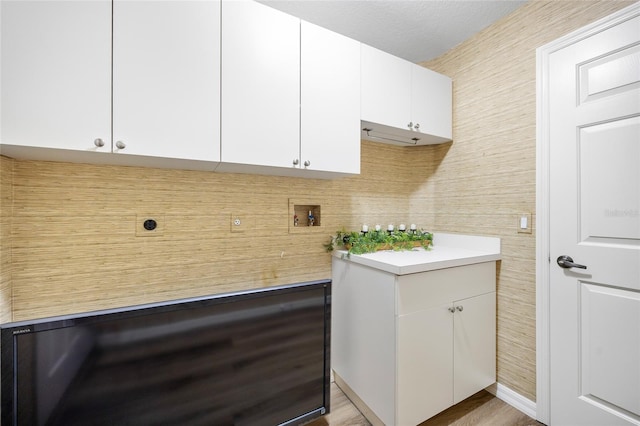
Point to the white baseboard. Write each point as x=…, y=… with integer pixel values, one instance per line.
x=513, y=398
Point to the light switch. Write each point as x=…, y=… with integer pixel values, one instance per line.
x=524, y=223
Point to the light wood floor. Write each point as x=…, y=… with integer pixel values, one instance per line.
x=481, y=409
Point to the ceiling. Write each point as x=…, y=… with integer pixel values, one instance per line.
x=416, y=30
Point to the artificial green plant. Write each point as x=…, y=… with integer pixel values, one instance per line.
x=368, y=242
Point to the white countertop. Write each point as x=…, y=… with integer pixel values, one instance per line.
x=448, y=250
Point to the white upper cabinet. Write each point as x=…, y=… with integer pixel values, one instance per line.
x=166, y=79
x=330, y=101
x=56, y=74
x=260, y=87
x=290, y=95
x=233, y=86
x=403, y=103
x=59, y=80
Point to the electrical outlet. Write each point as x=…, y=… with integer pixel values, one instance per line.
x=524, y=223
x=241, y=223
x=149, y=225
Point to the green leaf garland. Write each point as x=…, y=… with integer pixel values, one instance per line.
x=372, y=241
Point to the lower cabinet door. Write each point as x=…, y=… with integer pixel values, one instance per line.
x=474, y=355
x=425, y=364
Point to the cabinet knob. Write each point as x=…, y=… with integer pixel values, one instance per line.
x=410, y=125
x=296, y=162
x=120, y=145
x=452, y=310
x=459, y=308
x=417, y=126
x=99, y=143
x=307, y=163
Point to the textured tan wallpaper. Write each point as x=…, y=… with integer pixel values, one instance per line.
x=487, y=177
x=75, y=248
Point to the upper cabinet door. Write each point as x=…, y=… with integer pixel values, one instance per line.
x=56, y=74
x=166, y=78
x=260, y=85
x=431, y=107
x=330, y=101
x=386, y=88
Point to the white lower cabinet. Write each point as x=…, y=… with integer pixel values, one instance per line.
x=444, y=356
x=410, y=346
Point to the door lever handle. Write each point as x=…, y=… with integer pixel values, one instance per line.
x=567, y=262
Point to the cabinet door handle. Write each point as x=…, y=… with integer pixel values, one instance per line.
x=307, y=163
x=459, y=308
x=120, y=145
x=99, y=143
x=417, y=126
x=296, y=162
x=410, y=125
x=452, y=310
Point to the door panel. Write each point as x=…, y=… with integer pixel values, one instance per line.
x=610, y=359
x=610, y=201
x=610, y=75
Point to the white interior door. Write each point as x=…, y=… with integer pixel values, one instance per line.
x=594, y=218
